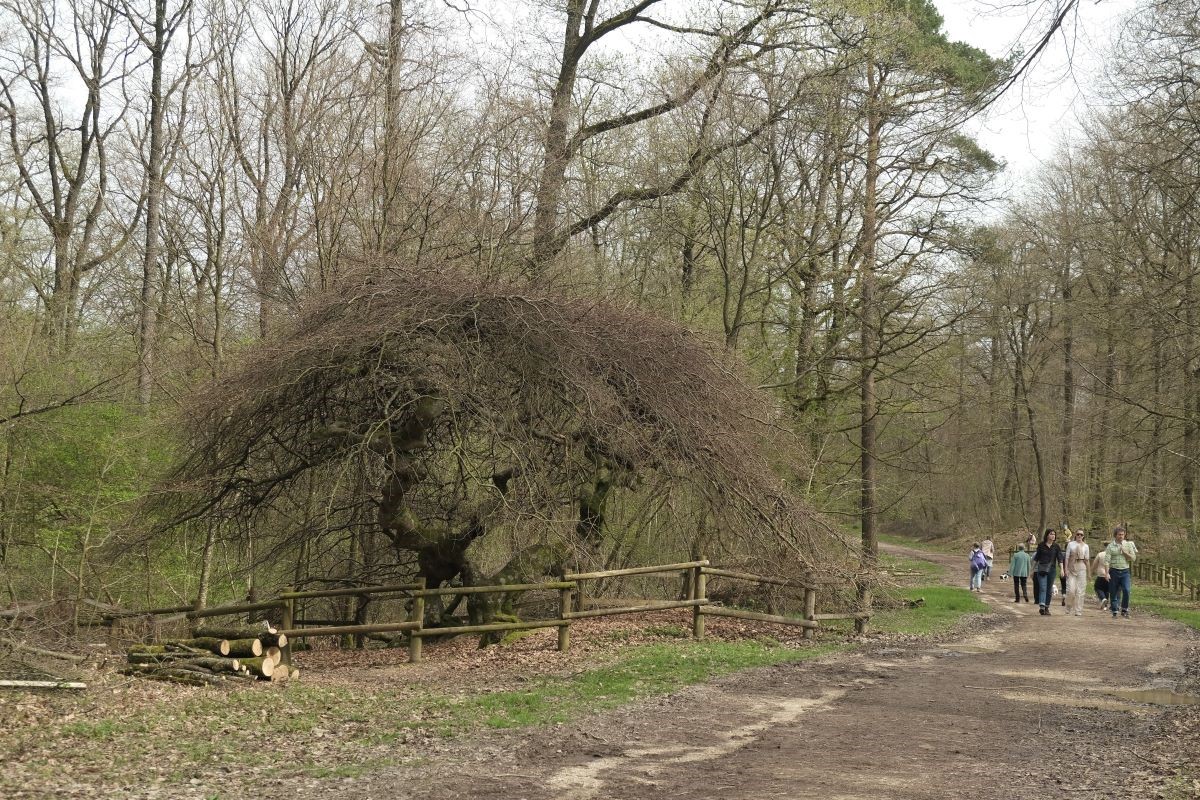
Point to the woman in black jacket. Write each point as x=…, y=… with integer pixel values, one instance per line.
x=1046, y=562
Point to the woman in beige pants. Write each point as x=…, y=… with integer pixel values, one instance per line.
x=1079, y=559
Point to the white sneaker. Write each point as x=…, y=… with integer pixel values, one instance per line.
x=1104, y=604
x=1079, y=613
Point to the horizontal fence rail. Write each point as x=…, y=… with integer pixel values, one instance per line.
x=612, y=573
x=747, y=576
x=652, y=605
x=694, y=574
x=352, y=591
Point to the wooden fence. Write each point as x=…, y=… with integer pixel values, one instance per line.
x=1167, y=577
x=568, y=608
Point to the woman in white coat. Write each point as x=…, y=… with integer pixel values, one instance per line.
x=1079, y=562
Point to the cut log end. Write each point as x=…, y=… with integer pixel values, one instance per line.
x=262, y=667
x=252, y=648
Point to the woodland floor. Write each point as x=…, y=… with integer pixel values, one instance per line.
x=1013, y=702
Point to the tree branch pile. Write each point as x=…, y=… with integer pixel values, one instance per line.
x=438, y=408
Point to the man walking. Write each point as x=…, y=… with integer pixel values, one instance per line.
x=1121, y=555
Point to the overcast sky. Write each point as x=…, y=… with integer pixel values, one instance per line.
x=1025, y=127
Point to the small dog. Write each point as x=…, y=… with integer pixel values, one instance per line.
x=1004, y=577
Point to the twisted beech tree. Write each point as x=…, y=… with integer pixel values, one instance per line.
x=437, y=409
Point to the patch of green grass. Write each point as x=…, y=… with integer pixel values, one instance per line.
x=100, y=729
x=943, y=607
x=1166, y=604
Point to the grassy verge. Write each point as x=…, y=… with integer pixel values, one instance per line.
x=1163, y=603
x=943, y=606
x=940, y=608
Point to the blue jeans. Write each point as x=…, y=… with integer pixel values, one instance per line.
x=1119, y=583
x=976, y=578
x=1045, y=589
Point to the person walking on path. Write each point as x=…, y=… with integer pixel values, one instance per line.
x=1018, y=568
x=1046, y=562
x=1121, y=555
x=1078, y=561
x=1064, y=542
x=1100, y=584
x=1031, y=542
x=989, y=552
x=978, y=565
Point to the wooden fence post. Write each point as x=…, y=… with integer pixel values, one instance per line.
x=564, y=631
x=699, y=588
x=810, y=610
x=289, y=622
x=418, y=616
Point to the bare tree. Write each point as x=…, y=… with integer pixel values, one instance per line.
x=64, y=167
x=155, y=30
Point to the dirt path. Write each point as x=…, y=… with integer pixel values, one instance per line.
x=1005, y=708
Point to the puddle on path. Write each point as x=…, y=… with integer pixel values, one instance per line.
x=1157, y=697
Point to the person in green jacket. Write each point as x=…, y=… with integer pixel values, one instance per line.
x=1121, y=555
x=1018, y=568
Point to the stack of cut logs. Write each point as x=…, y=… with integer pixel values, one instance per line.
x=214, y=655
